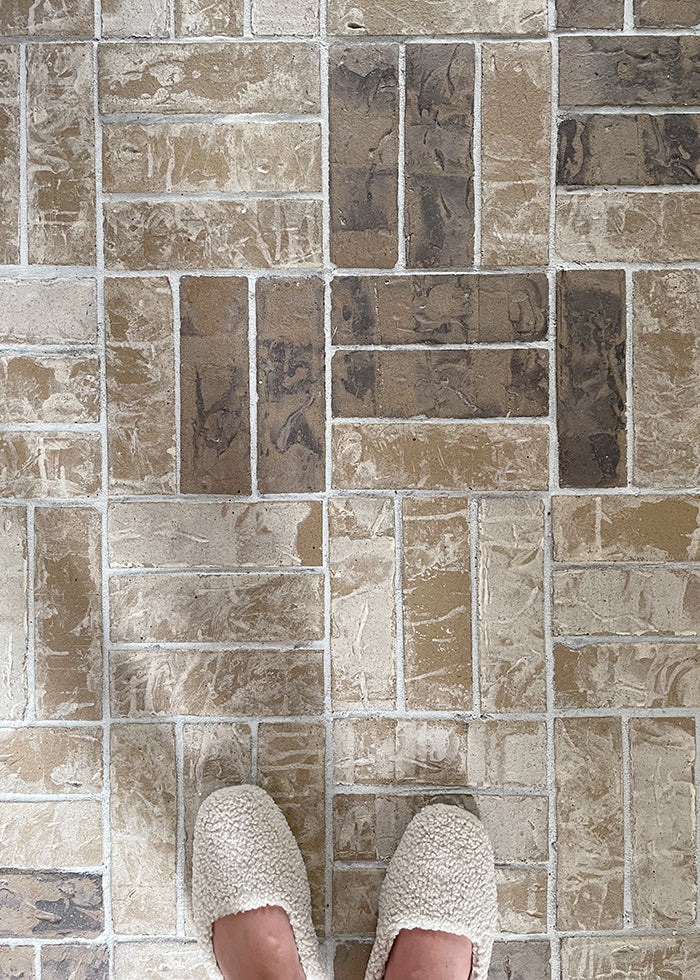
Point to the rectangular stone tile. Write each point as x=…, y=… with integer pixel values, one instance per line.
x=77, y=962
x=355, y=898
x=507, y=753
x=629, y=71
x=275, y=17
x=639, y=601
x=350, y=959
x=27, y=18
x=662, y=822
x=51, y=760
x=424, y=17
x=50, y=464
x=14, y=620
x=48, y=311
x=49, y=389
x=511, y=600
x=143, y=821
x=212, y=234
x=140, y=385
x=291, y=385
x=441, y=384
x=627, y=226
x=666, y=353
x=516, y=137
x=291, y=767
x=591, y=381
x=61, y=154
x=628, y=957
x=437, y=654
x=215, y=404
x=152, y=682
x=250, y=606
x=135, y=18
x=520, y=961
x=162, y=961
x=465, y=309
x=17, y=964
x=50, y=905
x=666, y=13
x=363, y=117
x=522, y=900
x=58, y=834
x=627, y=675
x=639, y=150
x=439, y=157
x=595, y=14
x=206, y=18
x=199, y=534
x=223, y=76
x=363, y=603
x=425, y=456
x=9, y=152
x=68, y=613
x=253, y=157
x=590, y=831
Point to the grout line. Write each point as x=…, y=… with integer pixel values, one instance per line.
x=172, y=17
x=552, y=275
x=474, y=576
x=31, y=621
x=37, y=962
x=23, y=160
x=551, y=770
x=400, y=672
x=177, y=408
x=180, y=831
x=476, y=149
x=254, y=731
x=629, y=356
x=180, y=196
x=253, y=384
x=627, y=914
x=401, y=162
x=697, y=812
x=247, y=19
x=628, y=18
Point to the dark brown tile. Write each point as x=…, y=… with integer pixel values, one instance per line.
x=595, y=14
x=666, y=13
x=76, y=962
x=520, y=961
x=9, y=153
x=50, y=905
x=591, y=383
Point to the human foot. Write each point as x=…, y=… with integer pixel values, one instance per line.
x=425, y=954
x=257, y=945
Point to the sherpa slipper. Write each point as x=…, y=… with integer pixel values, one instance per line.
x=442, y=878
x=245, y=857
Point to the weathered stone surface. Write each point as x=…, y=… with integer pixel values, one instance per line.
x=666, y=13
x=48, y=311
x=209, y=77
x=17, y=963
x=201, y=234
x=591, y=382
x=437, y=604
x=215, y=406
x=50, y=464
x=424, y=17
x=516, y=137
x=662, y=822
x=162, y=961
x=291, y=385
x=629, y=71
x=57, y=834
x=51, y=760
x=363, y=118
x=457, y=456
x=61, y=154
x=522, y=900
x=439, y=157
x=628, y=957
x=590, y=832
x=50, y=905
x=247, y=607
x=204, y=18
x=511, y=604
x=466, y=309
x=665, y=378
x=29, y=18
x=14, y=634
x=275, y=17
x=507, y=753
x=249, y=157
x=363, y=613
x=355, y=898
x=627, y=675
x=140, y=385
x=350, y=960
x=9, y=152
x=520, y=961
x=441, y=384
x=642, y=149
x=49, y=389
x=135, y=18
x=68, y=613
x=143, y=819
x=595, y=14
x=76, y=962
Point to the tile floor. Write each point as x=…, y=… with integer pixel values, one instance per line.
x=350, y=444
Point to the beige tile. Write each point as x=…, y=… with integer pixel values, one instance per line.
x=143, y=821
x=205, y=18
x=355, y=899
x=161, y=961
x=51, y=760
x=507, y=753
x=14, y=621
x=522, y=900
x=630, y=956
x=423, y=17
x=50, y=464
x=51, y=905
x=59, y=834
x=276, y=17
x=68, y=613
x=437, y=604
x=17, y=963
x=48, y=311
x=29, y=18
x=135, y=18
x=363, y=613
x=511, y=604
x=590, y=826
x=9, y=153
x=49, y=389
x=520, y=961
x=76, y=961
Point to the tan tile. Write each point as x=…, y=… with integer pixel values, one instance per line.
x=77, y=962
x=596, y=14
x=61, y=154
x=49, y=389
x=630, y=956
x=639, y=601
x=666, y=368
x=507, y=753
x=517, y=825
x=29, y=18
x=363, y=603
x=51, y=760
x=511, y=602
x=14, y=621
x=51, y=905
x=662, y=822
x=17, y=964
x=350, y=960
x=520, y=961
x=291, y=767
x=205, y=18
x=447, y=456
x=627, y=675
x=516, y=136
x=143, y=821
x=355, y=899
x=135, y=18
x=666, y=13
x=652, y=527
x=276, y=17
x=68, y=613
x=48, y=311
x=423, y=17
x=246, y=607
x=522, y=900
x=58, y=834
x=590, y=832
x=9, y=152
x=437, y=604
x=50, y=464
x=161, y=961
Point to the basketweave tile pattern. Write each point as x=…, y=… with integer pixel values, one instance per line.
x=349, y=444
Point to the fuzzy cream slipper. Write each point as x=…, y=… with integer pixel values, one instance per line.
x=245, y=857
x=441, y=877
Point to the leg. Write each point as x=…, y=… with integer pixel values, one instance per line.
x=257, y=945
x=421, y=954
